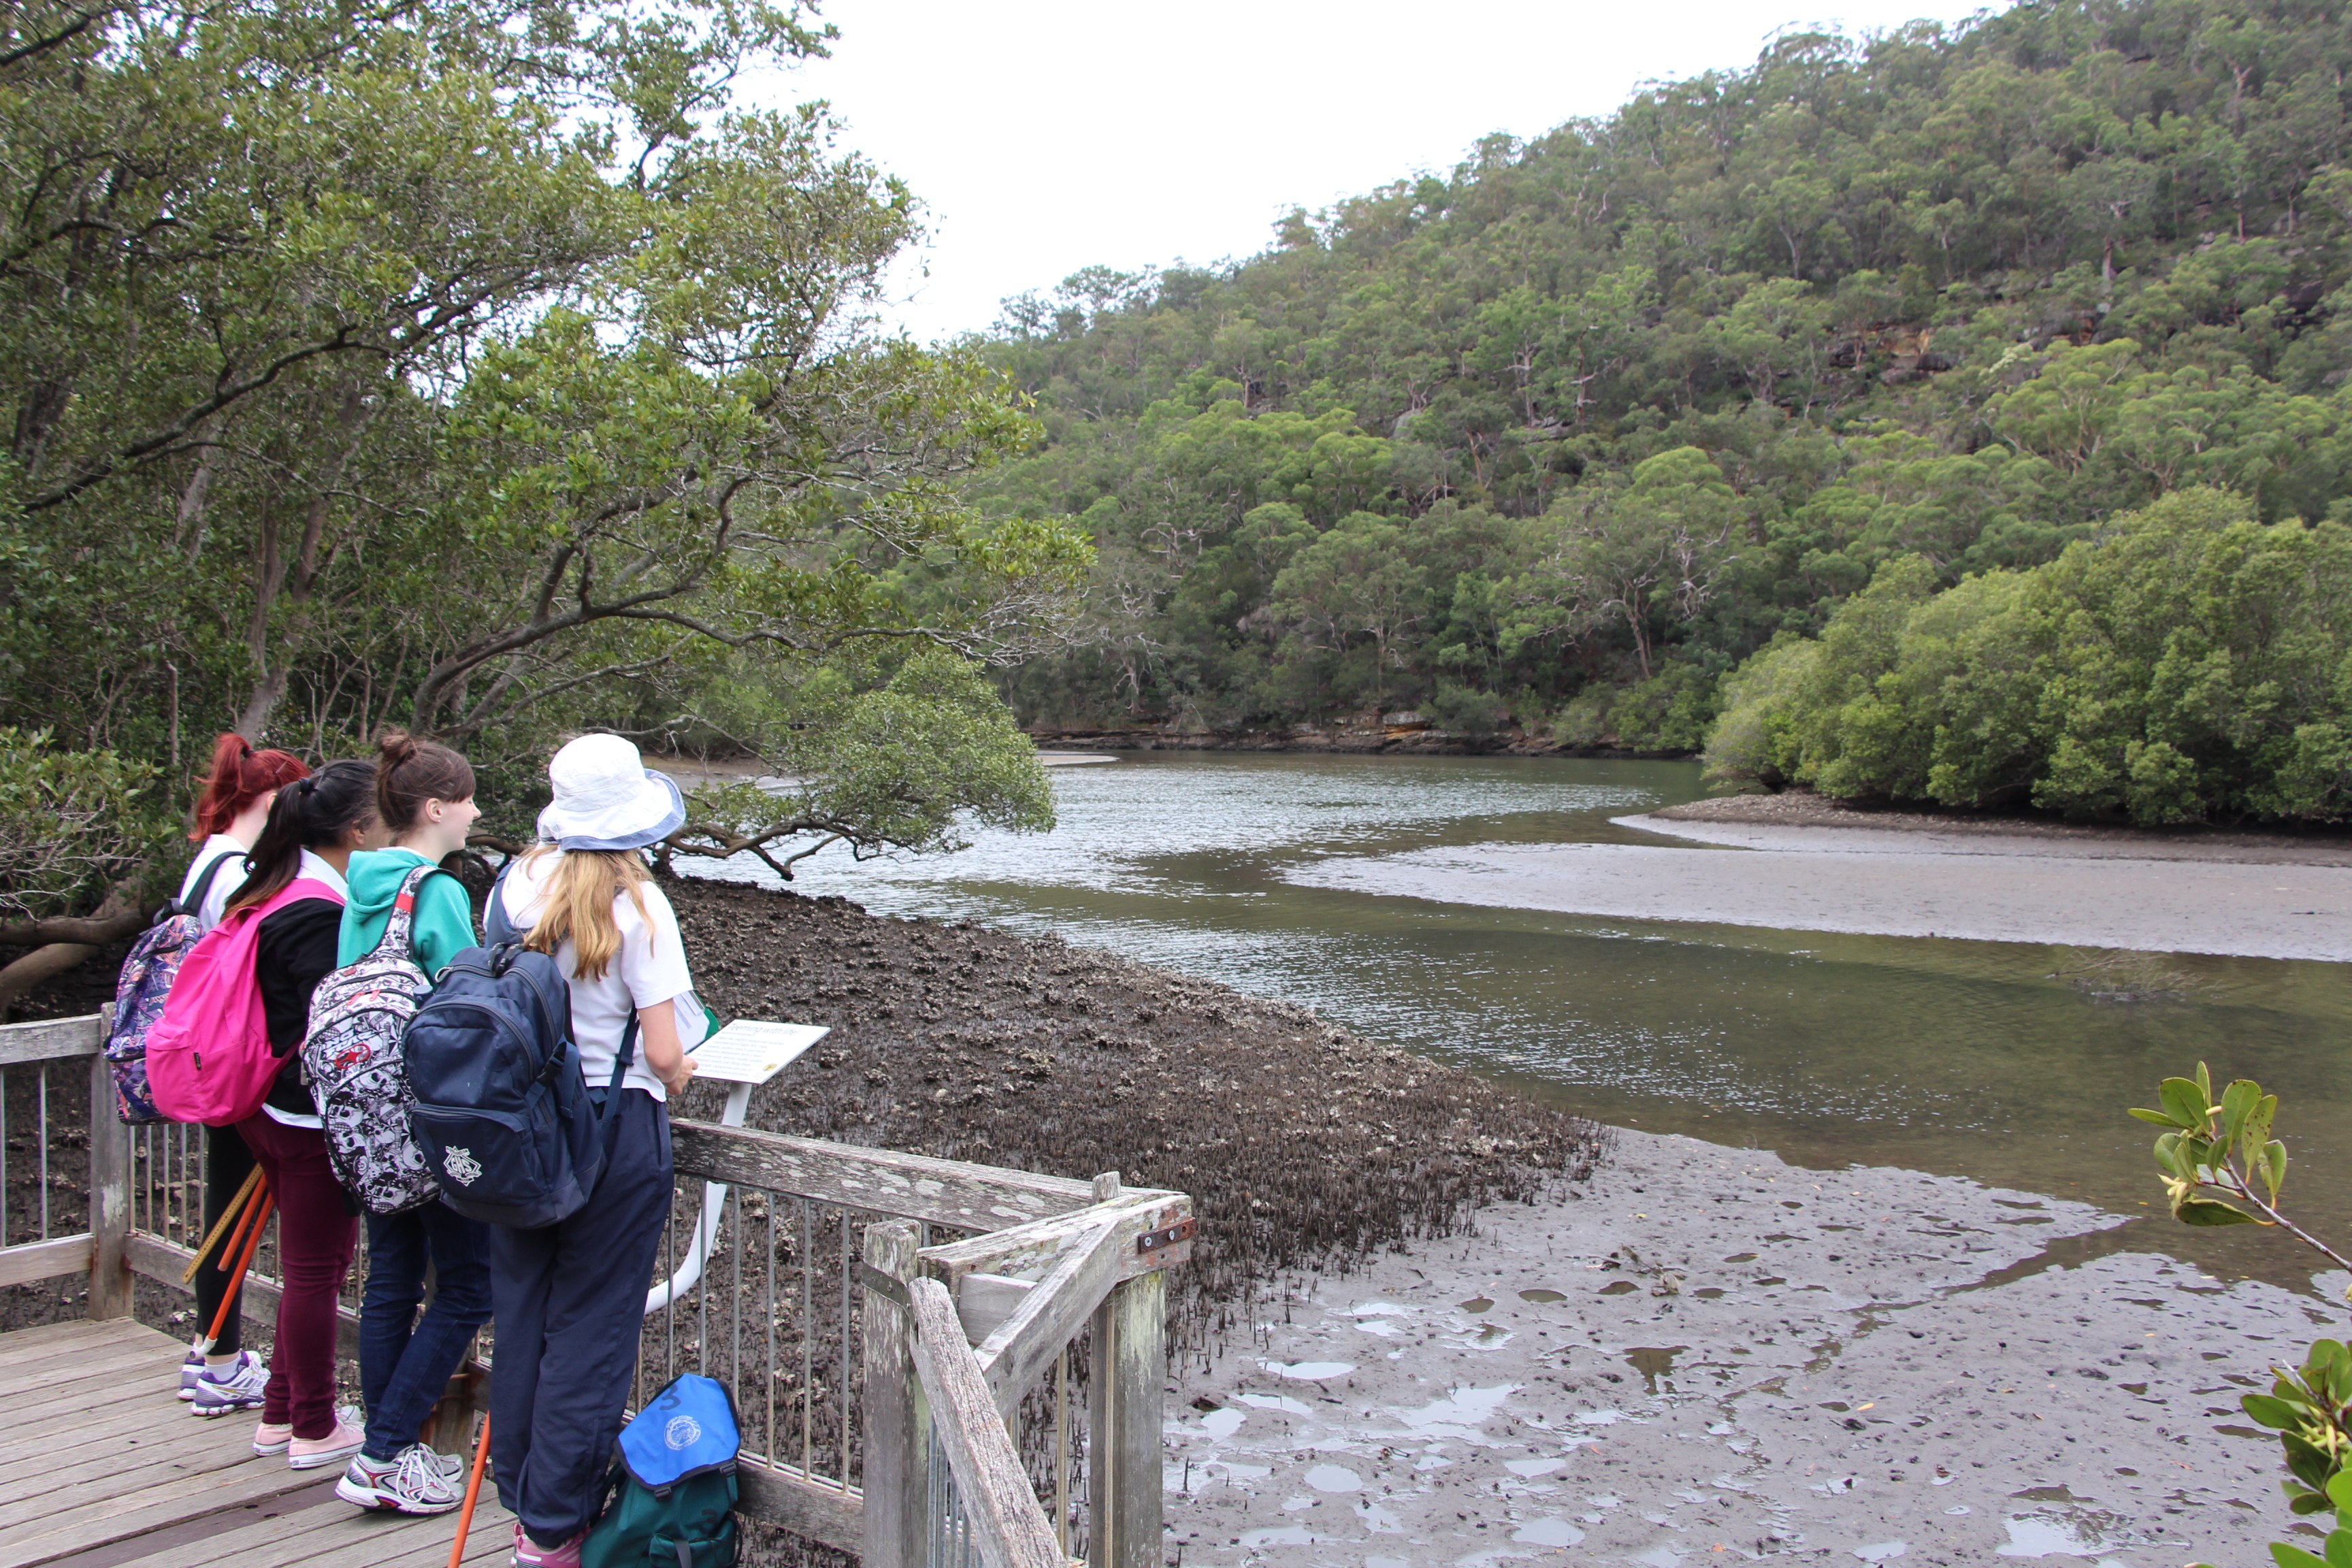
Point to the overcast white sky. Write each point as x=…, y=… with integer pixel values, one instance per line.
x=1045, y=136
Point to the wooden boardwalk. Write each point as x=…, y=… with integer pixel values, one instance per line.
x=104, y=1468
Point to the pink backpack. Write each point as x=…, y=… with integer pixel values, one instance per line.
x=208, y=1058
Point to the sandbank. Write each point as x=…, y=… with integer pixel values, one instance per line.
x=2267, y=900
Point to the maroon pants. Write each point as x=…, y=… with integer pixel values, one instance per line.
x=315, y=1236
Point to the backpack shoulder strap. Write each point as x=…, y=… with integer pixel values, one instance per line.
x=497, y=929
x=621, y=1060
x=194, y=902
x=400, y=930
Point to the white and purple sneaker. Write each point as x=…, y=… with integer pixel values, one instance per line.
x=191, y=1371
x=224, y=1390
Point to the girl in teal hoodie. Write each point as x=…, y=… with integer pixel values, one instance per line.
x=425, y=794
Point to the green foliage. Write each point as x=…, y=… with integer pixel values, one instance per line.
x=2224, y=1147
x=1960, y=294
x=2188, y=663
x=478, y=367
x=71, y=821
x=908, y=764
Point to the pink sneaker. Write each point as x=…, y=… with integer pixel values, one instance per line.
x=335, y=1448
x=268, y=1441
x=530, y=1554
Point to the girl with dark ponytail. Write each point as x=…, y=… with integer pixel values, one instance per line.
x=315, y=826
x=424, y=796
x=230, y=810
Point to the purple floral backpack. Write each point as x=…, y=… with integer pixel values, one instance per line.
x=139, y=992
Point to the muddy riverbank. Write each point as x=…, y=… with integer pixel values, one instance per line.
x=1301, y=1142
x=1706, y=1350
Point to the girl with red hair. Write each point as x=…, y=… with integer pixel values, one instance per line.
x=230, y=811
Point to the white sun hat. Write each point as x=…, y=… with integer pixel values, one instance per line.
x=606, y=799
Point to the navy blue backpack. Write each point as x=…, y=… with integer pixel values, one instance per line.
x=503, y=1114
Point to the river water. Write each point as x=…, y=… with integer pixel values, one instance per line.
x=2009, y=1062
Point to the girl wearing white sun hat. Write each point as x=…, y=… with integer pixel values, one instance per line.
x=569, y=1298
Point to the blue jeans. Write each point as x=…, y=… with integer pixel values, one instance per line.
x=571, y=1297
x=404, y=1369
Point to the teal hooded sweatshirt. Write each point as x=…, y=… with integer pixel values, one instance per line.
x=444, y=915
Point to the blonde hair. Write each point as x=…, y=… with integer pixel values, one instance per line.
x=578, y=904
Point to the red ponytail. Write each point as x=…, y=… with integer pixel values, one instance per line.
x=239, y=776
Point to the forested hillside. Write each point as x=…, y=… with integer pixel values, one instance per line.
x=1561, y=438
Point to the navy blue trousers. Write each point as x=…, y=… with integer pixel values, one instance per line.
x=570, y=1300
x=405, y=1361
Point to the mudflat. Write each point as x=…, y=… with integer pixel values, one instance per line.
x=2241, y=895
x=1704, y=1350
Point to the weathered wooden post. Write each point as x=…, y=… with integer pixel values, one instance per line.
x=898, y=1417
x=1124, y=1413
x=110, y=1191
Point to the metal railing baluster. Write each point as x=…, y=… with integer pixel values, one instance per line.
x=41, y=1131
x=808, y=1341
x=842, y=1389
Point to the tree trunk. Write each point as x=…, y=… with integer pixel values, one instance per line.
x=41, y=965
x=268, y=692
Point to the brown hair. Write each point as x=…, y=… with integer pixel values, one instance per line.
x=410, y=772
x=580, y=892
x=239, y=776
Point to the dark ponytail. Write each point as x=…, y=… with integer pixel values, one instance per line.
x=410, y=772
x=310, y=813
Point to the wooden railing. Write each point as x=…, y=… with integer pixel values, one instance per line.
x=947, y=1339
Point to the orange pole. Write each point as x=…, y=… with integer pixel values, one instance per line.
x=473, y=1491
x=252, y=1244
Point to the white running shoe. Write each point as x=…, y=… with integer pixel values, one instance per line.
x=410, y=1482
x=224, y=1390
x=334, y=1448
x=191, y=1371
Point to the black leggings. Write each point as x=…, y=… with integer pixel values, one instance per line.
x=227, y=1162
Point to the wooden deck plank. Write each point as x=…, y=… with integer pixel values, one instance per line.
x=34, y=1478
x=18, y=1346
x=290, y=1515
x=123, y=1428
x=158, y=1425
x=102, y=1364
x=119, y=1518
x=419, y=1543
x=130, y=1372
x=61, y=1411
x=331, y=1532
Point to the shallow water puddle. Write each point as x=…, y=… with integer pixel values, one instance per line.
x=1548, y=1532
x=1654, y=1363
x=1309, y=1370
x=1461, y=1411
x=1282, y=1402
x=1541, y=1298
x=2057, y=1535
x=1334, y=1479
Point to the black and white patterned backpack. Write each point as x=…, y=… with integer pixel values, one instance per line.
x=351, y=1058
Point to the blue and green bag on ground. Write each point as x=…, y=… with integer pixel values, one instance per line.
x=670, y=1501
